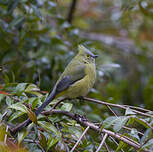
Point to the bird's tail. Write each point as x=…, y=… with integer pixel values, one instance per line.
x=38, y=111
x=46, y=102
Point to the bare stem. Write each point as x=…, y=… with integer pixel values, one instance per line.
x=102, y=142
x=115, y=142
x=5, y=138
x=80, y=139
x=71, y=11
x=118, y=106
x=106, y=146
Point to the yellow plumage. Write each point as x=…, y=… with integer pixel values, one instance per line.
x=84, y=64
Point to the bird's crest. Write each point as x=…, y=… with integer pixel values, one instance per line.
x=83, y=50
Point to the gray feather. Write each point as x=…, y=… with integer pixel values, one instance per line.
x=66, y=80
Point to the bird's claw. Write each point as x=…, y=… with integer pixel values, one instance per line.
x=81, y=98
x=80, y=117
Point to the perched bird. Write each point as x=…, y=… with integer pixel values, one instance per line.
x=76, y=81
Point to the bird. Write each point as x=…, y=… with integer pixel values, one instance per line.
x=76, y=81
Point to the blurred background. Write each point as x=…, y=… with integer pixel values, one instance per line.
x=39, y=37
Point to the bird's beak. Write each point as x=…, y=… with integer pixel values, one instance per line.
x=95, y=56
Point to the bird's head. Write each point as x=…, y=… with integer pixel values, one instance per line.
x=85, y=55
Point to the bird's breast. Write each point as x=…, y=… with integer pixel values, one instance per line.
x=83, y=86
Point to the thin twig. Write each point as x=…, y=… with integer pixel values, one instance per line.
x=111, y=110
x=117, y=105
x=102, y=142
x=115, y=142
x=104, y=103
x=56, y=104
x=131, y=130
x=4, y=114
x=146, y=123
x=80, y=139
x=5, y=138
x=106, y=146
x=139, y=108
x=71, y=11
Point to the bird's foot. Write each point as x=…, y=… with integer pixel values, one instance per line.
x=81, y=98
x=80, y=117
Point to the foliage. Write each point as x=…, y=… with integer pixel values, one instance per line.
x=37, y=42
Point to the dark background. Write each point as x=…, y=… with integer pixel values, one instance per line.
x=37, y=41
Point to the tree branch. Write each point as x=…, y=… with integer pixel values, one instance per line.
x=118, y=106
x=115, y=142
x=96, y=128
x=71, y=11
x=80, y=139
x=102, y=142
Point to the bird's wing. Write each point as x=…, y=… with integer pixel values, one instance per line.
x=76, y=73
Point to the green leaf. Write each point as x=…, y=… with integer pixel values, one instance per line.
x=9, y=101
x=120, y=122
x=16, y=115
x=42, y=140
x=55, y=118
x=19, y=106
x=17, y=21
x=34, y=103
x=142, y=122
x=12, y=5
x=32, y=87
x=36, y=11
x=129, y=112
x=61, y=146
x=2, y=97
x=134, y=134
x=147, y=134
x=32, y=116
x=76, y=132
x=6, y=78
x=50, y=127
x=3, y=132
x=36, y=94
x=20, y=88
x=131, y=121
x=66, y=106
x=22, y=135
x=120, y=146
x=148, y=145
x=108, y=122
x=51, y=141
